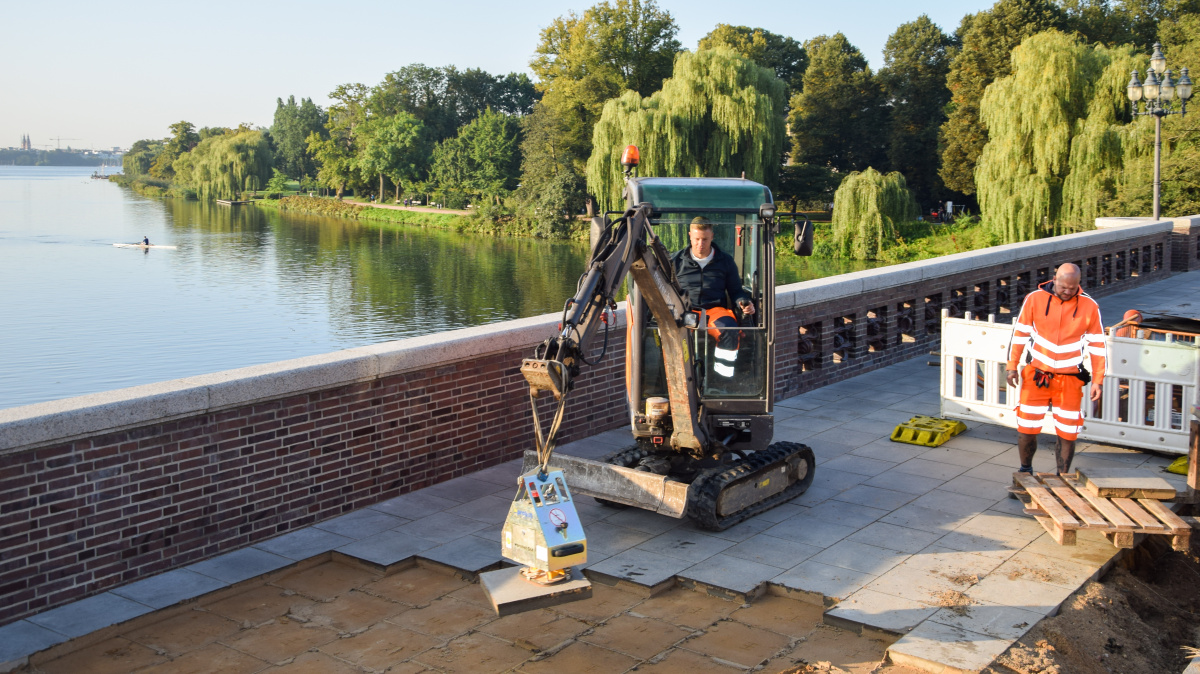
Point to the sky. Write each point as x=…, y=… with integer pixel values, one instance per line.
x=104, y=74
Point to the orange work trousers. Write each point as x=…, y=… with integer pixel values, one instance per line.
x=1062, y=398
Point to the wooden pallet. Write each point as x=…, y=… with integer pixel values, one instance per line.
x=1063, y=505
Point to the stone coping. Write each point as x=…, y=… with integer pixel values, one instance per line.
x=58, y=421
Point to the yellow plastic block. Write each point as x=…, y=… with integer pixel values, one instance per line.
x=927, y=431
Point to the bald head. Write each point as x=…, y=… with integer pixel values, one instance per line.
x=1066, y=281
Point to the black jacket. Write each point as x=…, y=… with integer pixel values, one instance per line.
x=707, y=287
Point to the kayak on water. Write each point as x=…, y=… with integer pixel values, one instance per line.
x=142, y=245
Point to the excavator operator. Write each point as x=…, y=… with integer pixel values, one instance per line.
x=708, y=274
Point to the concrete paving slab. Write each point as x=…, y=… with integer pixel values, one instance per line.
x=782, y=512
x=772, y=551
x=504, y=475
x=926, y=519
x=1000, y=473
x=463, y=489
x=234, y=567
x=846, y=514
x=886, y=450
x=1061, y=572
x=641, y=567
x=974, y=486
x=510, y=593
x=810, y=531
x=415, y=505
x=1001, y=524
x=988, y=544
x=980, y=445
x=815, y=495
x=1090, y=548
x=874, y=497
x=644, y=520
x=1043, y=460
x=360, y=524
x=20, y=639
x=1003, y=622
x=469, y=553
x=822, y=583
x=926, y=468
x=690, y=545
x=1023, y=593
x=860, y=557
x=167, y=589
x=845, y=436
x=610, y=539
x=88, y=615
x=829, y=478
x=957, y=457
x=911, y=484
x=441, y=527
x=802, y=427
x=934, y=647
x=895, y=537
x=733, y=574
x=879, y=612
x=736, y=533
x=304, y=543
x=954, y=502
x=387, y=548
x=491, y=510
x=860, y=465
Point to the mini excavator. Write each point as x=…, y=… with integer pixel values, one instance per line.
x=702, y=435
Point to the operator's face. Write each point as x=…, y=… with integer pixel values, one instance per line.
x=1066, y=282
x=701, y=242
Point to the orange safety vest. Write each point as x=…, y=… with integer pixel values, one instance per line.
x=1059, y=333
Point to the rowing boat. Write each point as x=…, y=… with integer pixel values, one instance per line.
x=142, y=245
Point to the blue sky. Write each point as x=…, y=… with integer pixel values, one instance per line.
x=109, y=73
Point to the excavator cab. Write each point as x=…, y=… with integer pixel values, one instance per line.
x=700, y=395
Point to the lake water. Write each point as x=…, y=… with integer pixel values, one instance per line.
x=245, y=286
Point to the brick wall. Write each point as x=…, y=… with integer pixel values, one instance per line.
x=101, y=490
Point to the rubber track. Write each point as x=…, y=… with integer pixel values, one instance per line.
x=708, y=486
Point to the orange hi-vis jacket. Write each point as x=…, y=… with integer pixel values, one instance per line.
x=1059, y=333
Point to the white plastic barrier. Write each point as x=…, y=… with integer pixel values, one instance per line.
x=1148, y=388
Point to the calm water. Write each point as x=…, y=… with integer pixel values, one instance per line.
x=246, y=286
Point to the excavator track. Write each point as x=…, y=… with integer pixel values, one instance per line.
x=722, y=497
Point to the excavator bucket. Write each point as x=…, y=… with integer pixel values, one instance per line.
x=656, y=493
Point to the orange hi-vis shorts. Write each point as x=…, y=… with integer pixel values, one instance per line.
x=1063, y=398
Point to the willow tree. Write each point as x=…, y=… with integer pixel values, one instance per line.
x=221, y=166
x=1032, y=116
x=868, y=207
x=719, y=115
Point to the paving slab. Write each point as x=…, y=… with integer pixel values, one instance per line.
x=954, y=502
x=933, y=647
x=641, y=567
x=886, y=450
x=21, y=639
x=860, y=465
x=810, y=531
x=234, y=567
x=926, y=519
x=878, y=611
x=442, y=527
x=895, y=537
x=510, y=593
x=361, y=523
x=88, y=615
x=860, y=557
x=469, y=553
x=304, y=543
x=724, y=572
x=908, y=483
x=463, y=489
x=772, y=551
x=686, y=544
x=643, y=520
x=822, y=583
x=492, y=510
x=387, y=548
x=415, y=505
x=609, y=539
x=1004, y=622
x=169, y=588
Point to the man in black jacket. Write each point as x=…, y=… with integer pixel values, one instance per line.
x=708, y=274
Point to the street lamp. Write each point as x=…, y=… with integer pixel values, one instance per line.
x=1158, y=93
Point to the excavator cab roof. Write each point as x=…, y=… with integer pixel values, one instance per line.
x=699, y=194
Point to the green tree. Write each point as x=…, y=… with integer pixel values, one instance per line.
x=584, y=60
x=867, y=210
x=220, y=167
x=839, y=120
x=292, y=125
x=1032, y=120
x=140, y=157
x=719, y=115
x=770, y=50
x=484, y=159
x=183, y=138
x=550, y=187
x=916, y=61
x=393, y=148
x=988, y=39
x=337, y=149
x=806, y=185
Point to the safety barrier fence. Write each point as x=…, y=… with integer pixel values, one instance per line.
x=100, y=490
x=1146, y=398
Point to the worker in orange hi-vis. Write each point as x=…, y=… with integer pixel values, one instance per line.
x=1058, y=331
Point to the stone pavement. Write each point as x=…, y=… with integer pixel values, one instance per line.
x=894, y=540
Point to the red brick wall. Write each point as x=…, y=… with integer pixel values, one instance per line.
x=81, y=517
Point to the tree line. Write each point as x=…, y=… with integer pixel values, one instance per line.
x=967, y=116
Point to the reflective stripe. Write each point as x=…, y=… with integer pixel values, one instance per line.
x=1057, y=348
x=1093, y=337
x=723, y=370
x=1021, y=327
x=725, y=354
x=1098, y=351
x=1029, y=423
x=1033, y=409
x=1074, y=430
x=1066, y=362
x=1065, y=415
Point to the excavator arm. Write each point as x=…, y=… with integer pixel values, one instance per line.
x=628, y=246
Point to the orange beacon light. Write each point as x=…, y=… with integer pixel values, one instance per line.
x=630, y=157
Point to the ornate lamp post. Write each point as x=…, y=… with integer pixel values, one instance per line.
x=1158, y=93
